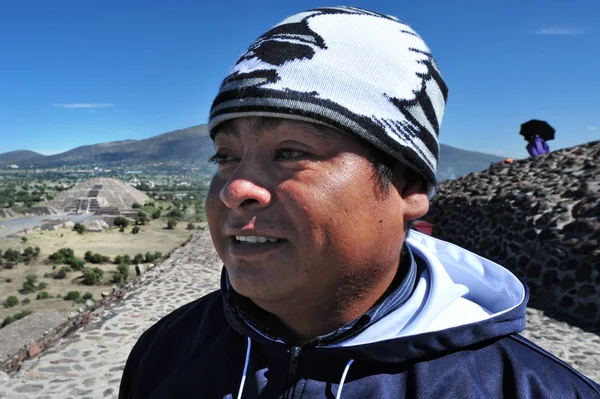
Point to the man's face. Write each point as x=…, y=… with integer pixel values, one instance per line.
x=313, y=194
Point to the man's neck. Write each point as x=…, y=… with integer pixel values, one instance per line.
x=299, y=322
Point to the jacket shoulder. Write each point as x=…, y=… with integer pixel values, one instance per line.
x=169, y=339
x=533, y=365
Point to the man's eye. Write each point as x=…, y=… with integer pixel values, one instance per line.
x=286, y=154
x=221, y=159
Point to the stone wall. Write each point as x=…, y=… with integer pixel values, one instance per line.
x=539, y=218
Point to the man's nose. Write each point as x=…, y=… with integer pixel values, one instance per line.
x=240, y=193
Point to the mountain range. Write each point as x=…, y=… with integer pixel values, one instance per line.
x=193, y=146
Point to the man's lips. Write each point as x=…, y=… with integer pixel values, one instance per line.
x=253, y=246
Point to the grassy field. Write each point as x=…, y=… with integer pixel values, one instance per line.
x=152, y=237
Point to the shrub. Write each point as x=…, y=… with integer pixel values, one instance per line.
x=121, y=274
x=87, y=295
x=121, y=221
x=9, y=280
x=7, y=321
x=43, y=295
x=9, y=265
x=149, y=257
x=156, y=214
x=41, y=286
x=36, y=252
x=191, y=226
x=79, y=228
x=12, y=255
x=22, y=314
x=74, y=296
x=95, y=258
x=157, y=255
x=175, y=213
x=59, y=275
x=92, y=276
x=66, y=269
x=11, y=301
x=31, y=278
x=25, y=301
x=135, y=230
x=24, y=239
x=62, y=255
x=28, y=252
x=139, y=258
x=136, y=205
x=143, y=218
x=76, y=264
x=127, y=260
x=171, y=224
x=28, y=287
x=15, y=317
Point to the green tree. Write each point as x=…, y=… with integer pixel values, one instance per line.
x=149, y=257
x=121, y=221
x=24, y=239
x=143, y=218
x=136, y=205
x=79, y=228
x=175, y=213
x=139, y=258
x=135, y=230
x=121, y=274
x=171, y=224
x=156, y=214
x=12, y=255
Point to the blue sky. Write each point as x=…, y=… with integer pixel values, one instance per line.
x=75, y=72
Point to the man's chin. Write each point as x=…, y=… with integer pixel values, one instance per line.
x=258, y=287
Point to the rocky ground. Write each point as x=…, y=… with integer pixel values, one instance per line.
x=89, y=363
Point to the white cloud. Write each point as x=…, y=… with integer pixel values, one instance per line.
x=592, y=128
x=83, y=105
x=560, y=31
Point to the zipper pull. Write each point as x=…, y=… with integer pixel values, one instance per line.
x=294, y=357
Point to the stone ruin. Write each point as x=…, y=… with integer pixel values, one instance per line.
x=101, y=196
x=40, y=211
x=538, y=217
x=7, y=213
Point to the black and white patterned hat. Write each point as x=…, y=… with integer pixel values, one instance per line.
x=355, y=70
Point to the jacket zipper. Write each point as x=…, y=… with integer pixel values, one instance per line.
x=294, y=358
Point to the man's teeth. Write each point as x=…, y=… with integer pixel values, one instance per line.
x=255, y=239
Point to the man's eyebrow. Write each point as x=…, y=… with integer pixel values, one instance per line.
x=226, y=129
x=229, y=129
x=321, y=131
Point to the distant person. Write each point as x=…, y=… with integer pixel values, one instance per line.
x=537, y=146
x=326, y=138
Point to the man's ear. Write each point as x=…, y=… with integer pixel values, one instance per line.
x=414, y=196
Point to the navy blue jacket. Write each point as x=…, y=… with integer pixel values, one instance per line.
x=209, y=349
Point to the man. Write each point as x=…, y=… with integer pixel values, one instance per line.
x=326, y=144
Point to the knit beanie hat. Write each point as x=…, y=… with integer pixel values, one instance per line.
x=354, y=70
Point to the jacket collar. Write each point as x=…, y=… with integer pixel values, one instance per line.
x=242, y=308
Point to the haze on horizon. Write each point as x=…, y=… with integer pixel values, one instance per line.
x=78, y=73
